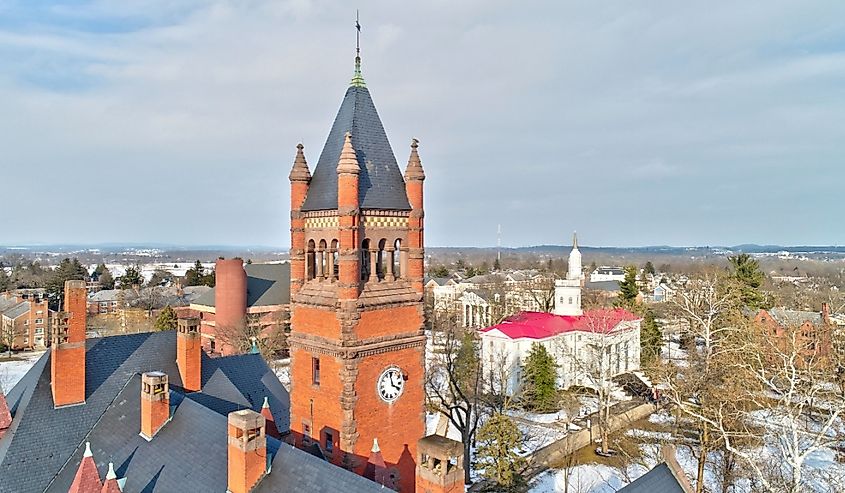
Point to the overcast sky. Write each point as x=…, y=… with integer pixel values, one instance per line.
x=634, y=122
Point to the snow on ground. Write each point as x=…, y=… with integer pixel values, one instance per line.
x=12, y=371
x=586, y=478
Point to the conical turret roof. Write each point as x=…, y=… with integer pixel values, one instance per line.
x=380, y=182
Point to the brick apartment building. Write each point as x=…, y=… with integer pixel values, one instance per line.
x=26, y=317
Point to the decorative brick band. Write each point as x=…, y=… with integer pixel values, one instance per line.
x=385, y=222
x=321, y=222
x=320, y=346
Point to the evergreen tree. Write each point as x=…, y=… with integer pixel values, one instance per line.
x=628, y=289
x=499, y=439
x=593, y=266
x=649, y=268
x=540, y=380
x=439, y=271
x=132, y=277
x=68, y=270
x=102, y=274
x=106, y=280
x=746, y=271
x=5, y=281
x=196, y=276
x=166, y=319
x=193, y=276
x=497, y=266
x=651, y=338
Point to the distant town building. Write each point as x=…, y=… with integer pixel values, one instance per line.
x=605, y=273
x=24, y=320
x=812, y=330
x=583, y=343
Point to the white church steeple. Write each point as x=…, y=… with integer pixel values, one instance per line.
x=575, y=271
x=568, y=291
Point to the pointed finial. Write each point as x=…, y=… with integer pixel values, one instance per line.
x=414, y=170
x=348, y=162
x=300, y=171
x=357, y=78
x=266, y=404
x=111, y=474
x=87, y=450
x=575, y=239
x=254, y=349
x=375, y=446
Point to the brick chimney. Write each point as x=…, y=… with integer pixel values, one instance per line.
x=67, y=361
x=87, y=479
x=229, y=293
x=189, y=353
x=440, y=465
x=155, y=403
x=5, y=415
x=247, y=450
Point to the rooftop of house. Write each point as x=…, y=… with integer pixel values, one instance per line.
x=541, y=325
x=267, y=285
x=602, y=285
x=43, y=448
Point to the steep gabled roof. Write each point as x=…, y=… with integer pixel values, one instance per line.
x=380, y=182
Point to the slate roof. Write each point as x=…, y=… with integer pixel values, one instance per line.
x=266, y=285
x=380, y=182
x=43, y=448
x=602, y=285
x=658, y=480
x=17, y=310
x=795, y=318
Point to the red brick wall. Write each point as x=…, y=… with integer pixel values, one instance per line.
x=397, y=426
x=389, y=321
x=323, y=323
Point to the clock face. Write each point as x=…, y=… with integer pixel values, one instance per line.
x=390, y=384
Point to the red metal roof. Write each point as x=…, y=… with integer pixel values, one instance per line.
x=540, y=325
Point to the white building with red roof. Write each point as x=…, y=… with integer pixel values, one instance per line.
x=590, y=347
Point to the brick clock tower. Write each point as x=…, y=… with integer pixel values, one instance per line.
x=357, y=341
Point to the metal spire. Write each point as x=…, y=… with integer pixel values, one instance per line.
x=357, y=78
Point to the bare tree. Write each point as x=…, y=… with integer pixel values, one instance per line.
x=267, y=333
x=454, y=386
x=10, y=332
x=783, y=385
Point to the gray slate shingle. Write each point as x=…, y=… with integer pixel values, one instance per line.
x=380, y=183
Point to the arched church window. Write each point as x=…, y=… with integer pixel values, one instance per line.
x=381, y=264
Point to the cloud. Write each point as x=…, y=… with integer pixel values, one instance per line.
x=180, y=118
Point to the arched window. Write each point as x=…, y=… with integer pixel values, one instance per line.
x=334, y=260
x=396, y=258
x=322, y=270
x=381, y=263
x=365, y=259
x=310, y=261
